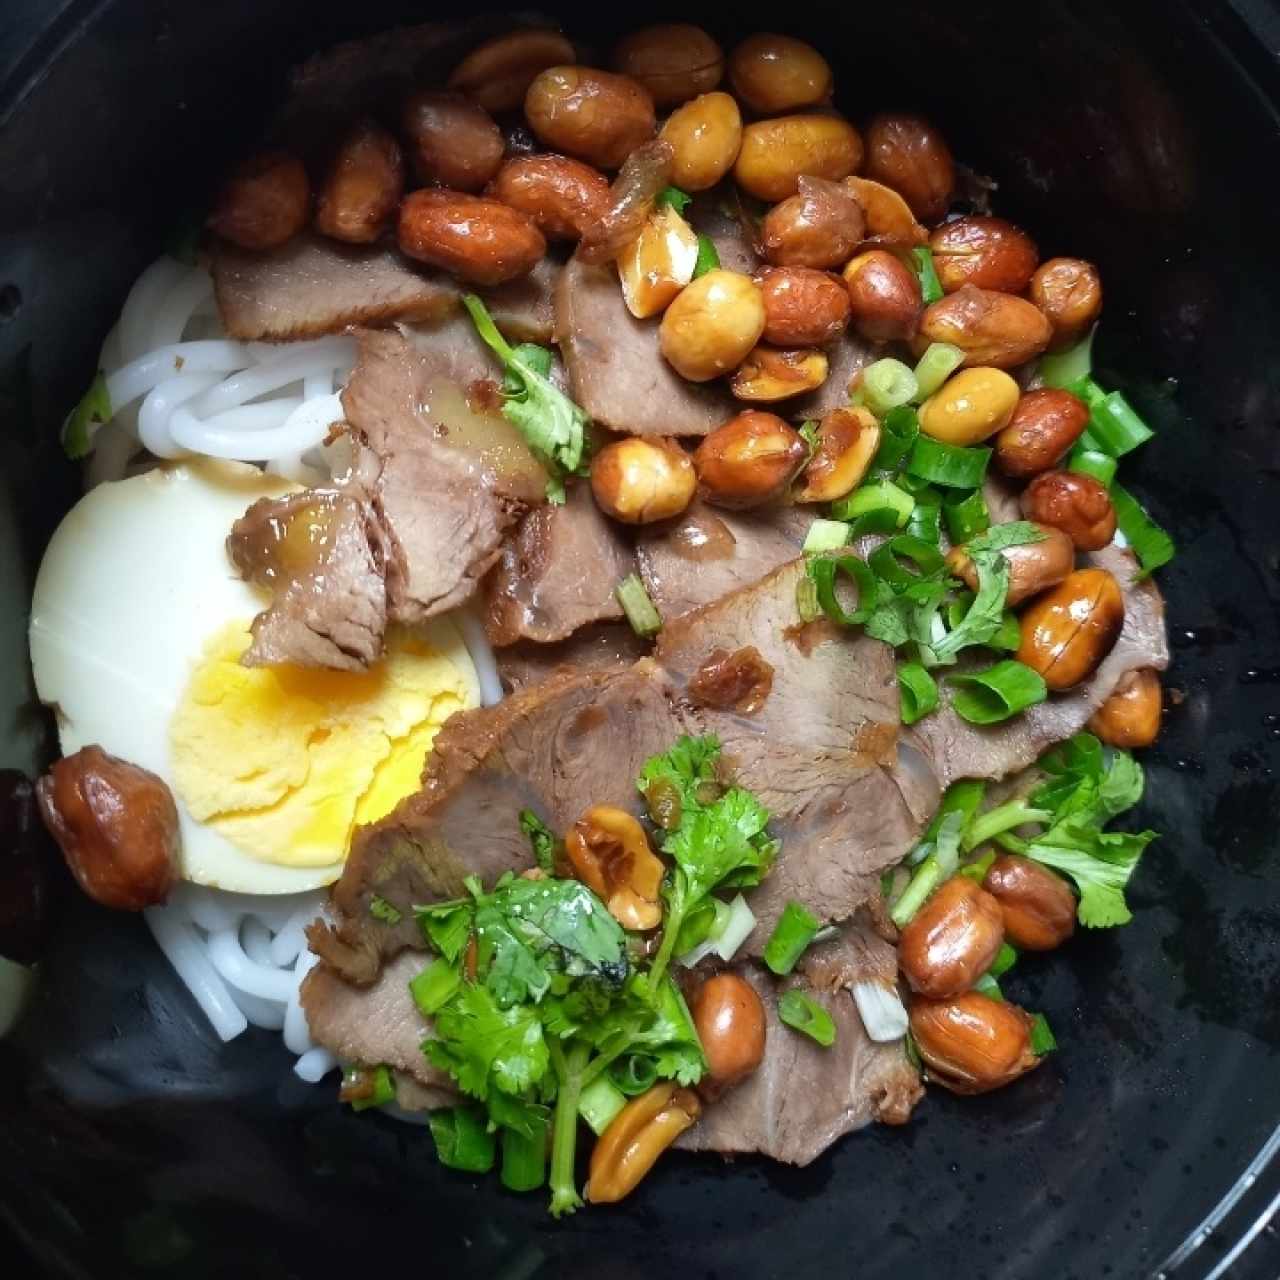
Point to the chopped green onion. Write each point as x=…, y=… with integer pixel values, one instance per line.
x=731, y=930
x=938, y=363
x=926, y=517
x=886, y=385
x=435, y=986
x=1092, y=462
x=1002, y=818
x=1009, y=636
x=879, y=495
x=917, y=690
x=825, y=535
x=599, y=1102
x=963, y=797
x=696, y=927
x=807, y=605
x=967, y=516
x=708, y=257
x=930, y=286
x=791, y=935
x=1070, y=366
x=977, y=871
x=986, y=985
x=799, y=1011
x=1001, y=691
x=381, y=909
x=948, y=465
x=93, y=409
x=823, y=571
x=886, y=560
x=1042, y=1038
x=524, y=1157
x=1150, y=543
x=939, y=864
x=674, y=197
x=898, y=431
x=1114, y=426
x=634, y=1074
x=384, y=1091
x=1005, y=959
x=462, y=1138
x=644, y=617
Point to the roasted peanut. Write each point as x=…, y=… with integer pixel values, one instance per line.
x=952, y=940
x=498, y=73
x=1033, y=566
x=988, y=252
x=117, y=827
x=775, y=153
x=889, y=220
x=884, y=296
x=970, y=406
x=564, y=197
x=595, y=115
x=750, y=460
x=819, y=226
x=705, y=135
x=453, y=142
x=637, y=1136
x=658, y=263
x=972, y=1043
x=729, y=1019
x=847, y=443
x=989, y=327
x=769, y=374
x=909, y=155
x=264, y=203
x=363, y=187
x=1068, y=631
x=1038, y=907
x=773, y=73
x=1045, y=424
x=479, y=240
x=641, y=480
x=709, y=329
x=1069, y=292
x=610, y=854
x=1079, y=505
x=1130, y=717
x=802, y=307
x=675, y=61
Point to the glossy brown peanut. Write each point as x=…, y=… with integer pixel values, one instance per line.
x=264, y=203
x=729, y=1019
x=802, y=307
x=1079, y=505
x=1033, y=566
x=972, y=1043
x=774, y=73
x=453, y=141
x=658, y=263
x=907, y=153
x=1068, y=631
x=363, y=187
x=705, y=135
x=498, y=73
x=712, y=325
x=889, y=220
x=1039, y=908
x=610, y=854
x=1044, y=426
x=970, y=406
x=989, y=327
x=478, y=240
x=563, y=196
x=1130, y=717
x=952, y=940
x=884, y=296
x=988, y=252
x=750, y=460
x=847, y=443
x=636, y=1137
x=639, y=480
x=595, y=115
x=117, y=827
x=675, y=61
x=769, y=374
x=776, y=153
x=1069, y=292
x=819, y=226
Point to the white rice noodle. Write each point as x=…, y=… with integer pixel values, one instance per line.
x=481, y=651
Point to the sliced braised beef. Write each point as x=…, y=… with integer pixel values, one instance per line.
x=711, y=214
x=617, y=372
x=804, y=1096
x=558, y=573
x=594, y=648
x=846, y=358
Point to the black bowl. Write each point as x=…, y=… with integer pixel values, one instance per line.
x=1144, y=136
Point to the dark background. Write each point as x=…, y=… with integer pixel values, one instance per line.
x=1141, y=135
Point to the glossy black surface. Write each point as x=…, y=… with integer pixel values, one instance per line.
x=1143, y=136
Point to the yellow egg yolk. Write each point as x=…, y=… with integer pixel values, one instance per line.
x=284, y=761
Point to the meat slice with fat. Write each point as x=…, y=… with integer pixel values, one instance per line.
x=594, y=648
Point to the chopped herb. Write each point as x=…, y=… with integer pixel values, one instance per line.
x=917, y=690
x=94, y=409
x=949, y=465
x=824, y=570
x=708, y=258
x=879, y=495
x=825, y=535
x=1150, y=543
x=886, y=384
x=1069, y=366
x=634, y=1074
x=462, y=1137
x=939, y=865
x=524, y=1155
x=1005, y=959
x=599, y=1102
x=1042, y=1039
x=1092, y=462
x=672, y=197
x=381, y=909
x=364, y=1088
x=807, y=1015
x=544, y=841
x=810, y=434
x=790, y=938
x=930, y=286
x=998, y=692
x=639, y=608
x=967, y=516
x=435, y=986
x=938, y=363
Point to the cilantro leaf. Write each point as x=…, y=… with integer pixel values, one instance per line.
x=485, y=1047
x=544, y=841
x=1101, y=864
x=690, y=762
x=446, y=926
x=673, y=197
